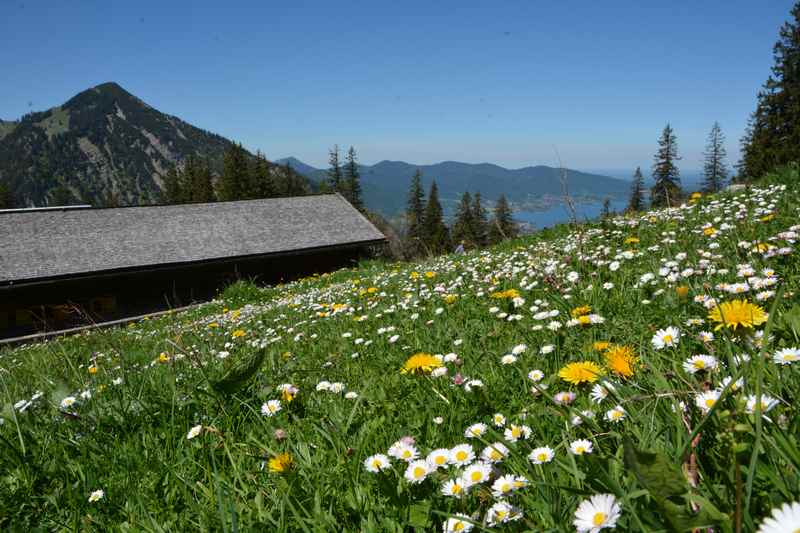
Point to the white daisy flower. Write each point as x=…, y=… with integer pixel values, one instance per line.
x=666, y=338
x=502, y=512
x=514, y=433
x=438, y=458
x=454, y=488
x=403, y=451
x=68, y=402
x=598, y=512
x=564, y=397
x=194, y=432
x=767, y=403
x=617, y=414
x=476, y=473
x=508, y=359
x=700, y=363
x=417, y=471
x=600, y=392
x=706, y=400
x=541, y=455
x=271, y=407
x=376, y=463
x=503, y=486
x=786, y=356
x=499, y=420
x=97, y=495
x=580, y=447
x=457, y=524
x=535, y=375
x=783, y=519
x=461, y=455
x=494, y=453
x=475, y=430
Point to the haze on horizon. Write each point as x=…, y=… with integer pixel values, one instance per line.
x=417, y=82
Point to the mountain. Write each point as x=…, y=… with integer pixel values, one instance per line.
x=103, y=142
x=386, y=183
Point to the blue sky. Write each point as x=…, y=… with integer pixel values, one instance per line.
x=508, y=82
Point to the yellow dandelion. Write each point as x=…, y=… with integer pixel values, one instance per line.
x=450, y=298
x=280, y=463
x=632, y=240
x=709, y=232
x=581, y=311
x=509, y=294
x=600, y=345
x=93, y=369
x=163, y=357
x=621, y=360
x=420, y=363
x=767, y=218
x=682, y=291
x=581, y=372
x=737, y=313
x=238, y=333
x=430, y=274
x=696, y=196
x=584, y=320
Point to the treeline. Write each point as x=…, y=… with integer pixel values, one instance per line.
x=344, y=179
x=426, y=232
x=243, y=177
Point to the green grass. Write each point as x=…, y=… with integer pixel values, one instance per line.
x=223, y=360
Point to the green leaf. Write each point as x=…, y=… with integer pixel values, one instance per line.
x=419, y=515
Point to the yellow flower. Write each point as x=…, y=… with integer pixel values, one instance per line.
x=767, y=218
x=430, y=274
x=632, y=240
x=584, y=320
x=372, y=290
x=420, y=363
x=696, y=195
x=163, y=357
x=709, y=232
x=682, y=291
x=280, y=463
x=509, y=294
x=580, y=311
x=621, y=360
x=450, y=298
x=338, y=307
x=93, y=369
x=414, y=275
x=287, y=395
x=737, y=313
x=238, y=333
x=600, y=345
x=581, y=372
x=213, y=325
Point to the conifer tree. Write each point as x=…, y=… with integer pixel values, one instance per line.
x=667, y=188
x=435, y=233
x=464, y=221
x=773, y=135
x=480, y=221
x=352, y=181
x=6, y=198
x=502, y=225
x=171, y=190
x=715, y=173
x=296, y=184
x=233, y=184
x=335, y=170
x=415, y=217
x=202, y=188
x=636, y=202
x=263, y=183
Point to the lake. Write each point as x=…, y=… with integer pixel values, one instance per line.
x=558, y=213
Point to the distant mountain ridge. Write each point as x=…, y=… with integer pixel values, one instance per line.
x=102, y=142
x=386, y=183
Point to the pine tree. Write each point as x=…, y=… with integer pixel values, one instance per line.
x=434, y=231
x=352, y=181
x=464, y=222
x=6, y=198
x=502, y=225
x=171, y=190
x=667, y=188
x=296, y=184
x=335, y=170
x=415, y=217
x=636, y=202
x=202, y=188
x=773, y=136
x=263, y=182
x=233, y=184
x=714, y=170
x=480, y=221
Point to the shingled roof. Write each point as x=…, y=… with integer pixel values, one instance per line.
x=52, y=244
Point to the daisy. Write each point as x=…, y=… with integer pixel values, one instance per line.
x=564, y=398
x=706, y=400
x=403, y=451
x=195, y=431
x=271, y=408
x=783, y=519
x=578, y=420
x=665, y=338
x=454, y=487
x=500, y=513
x=461, y=455
x=518, y=349
x=503, y=486
x=515, y=432
x=438, y=458
x=498, y=420
x=494, y=453
x=535, y=375
x=508, y=359
x=376, y=463
x=476, y=473
x=97, y=495
x=706, y=336
x=786, y=356
x=580, y=447
x=468, y=386
x=735, y=386
x=457, y=524
x=617, y=414
x=600, y=392
x=700, y=363
x=68, y=402
x=475, y=430
x=767, y=403
x=541, y=455
x=598, y=512
x=417, y=471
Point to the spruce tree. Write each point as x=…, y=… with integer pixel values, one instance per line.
x=202, y=188
x=352, y=181
x=6, y=198
x=335, y=170
x=233, y=184
x=715, y=172
x=502, y=225
x=464, y=221
x=171, y=190
x=480, y=221
x=636, y=202
x=435, y=233
x=415, y=217
x=667, y=188
x=296, y=184
x=263, y=182
x=773, y=136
